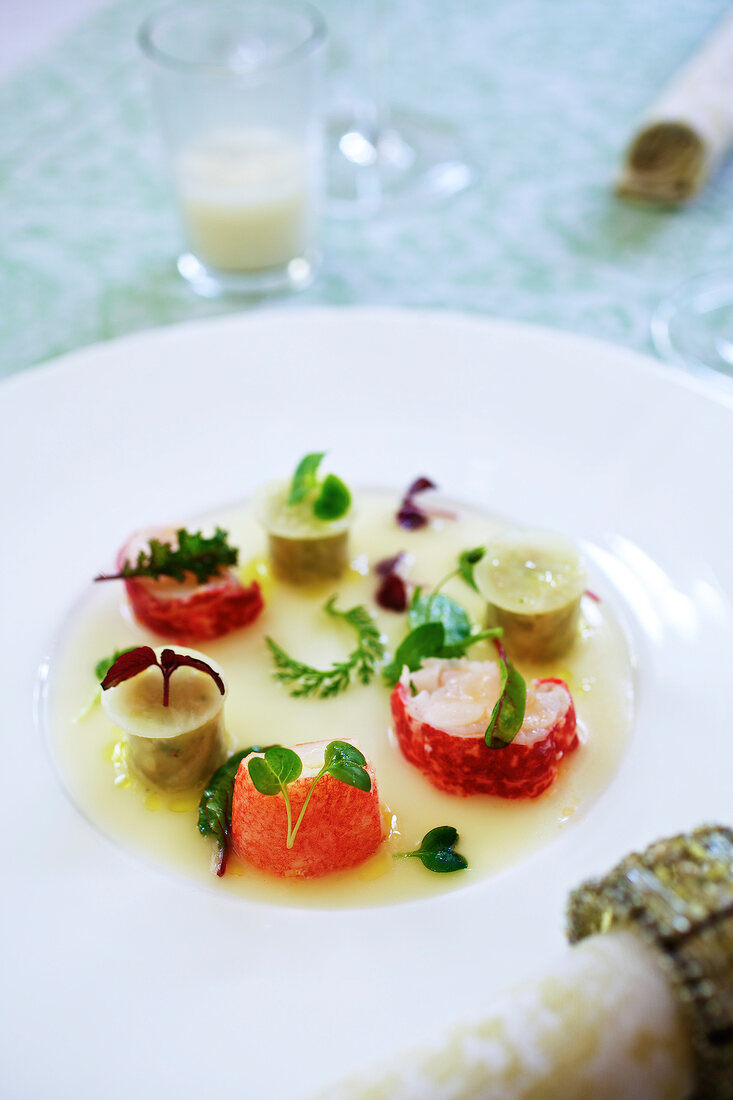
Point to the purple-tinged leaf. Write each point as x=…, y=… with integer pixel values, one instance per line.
x=129, y=664
x=392, y=593
x=134, y=661
x=419, y=485
x=411, y=515
x=389, y=565
x=411, y=518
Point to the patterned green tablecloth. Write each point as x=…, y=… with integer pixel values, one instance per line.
x=548, y=94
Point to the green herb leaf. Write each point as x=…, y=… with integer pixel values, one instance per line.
x=443, y=861
x=436, y=851
x=343, y=750
x=459, y=649
x=308, y=681
x=272, y=772
x=443, y=836
x=215, y=803
x=194, y=553
x=508, y=713
x=351, y=775
x=330, y=497
x=304, y=478
x=438, y=608
x=334, y=499
x=102, y=667
x=215, y=807
x=422, y=642
x=100, y=671
x=466, y=562
x=441, y=628
x=347, y=764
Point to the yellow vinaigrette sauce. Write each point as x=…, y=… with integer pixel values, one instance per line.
x=494, y=833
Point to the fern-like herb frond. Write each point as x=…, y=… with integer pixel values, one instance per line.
x=307, y=681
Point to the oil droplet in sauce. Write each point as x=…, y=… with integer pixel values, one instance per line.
x=493, y=833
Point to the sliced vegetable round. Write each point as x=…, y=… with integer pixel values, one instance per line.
x=173, y=746
x=137, y=705
x=303, y=548
x=533, y=582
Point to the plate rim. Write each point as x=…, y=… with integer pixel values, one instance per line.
x=672, y=373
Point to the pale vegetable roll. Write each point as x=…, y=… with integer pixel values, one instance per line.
x=307, y=520
x=174, y=724
x=533, y=582
x=302, y=547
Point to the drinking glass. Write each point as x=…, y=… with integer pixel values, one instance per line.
x=693, y=327
x=380, y=156
x=238, y=91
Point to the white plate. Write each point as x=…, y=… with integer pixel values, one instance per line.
x=124, y=981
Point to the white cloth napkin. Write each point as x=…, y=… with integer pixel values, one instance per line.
x=688, y=130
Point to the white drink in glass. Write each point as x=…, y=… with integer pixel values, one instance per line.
x=244, y=199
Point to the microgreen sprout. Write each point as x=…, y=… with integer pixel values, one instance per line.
x=330, y=498
x=440, y=628
x=466, y=562
x=436, y=851
x=273, y=772
x=134, y=661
